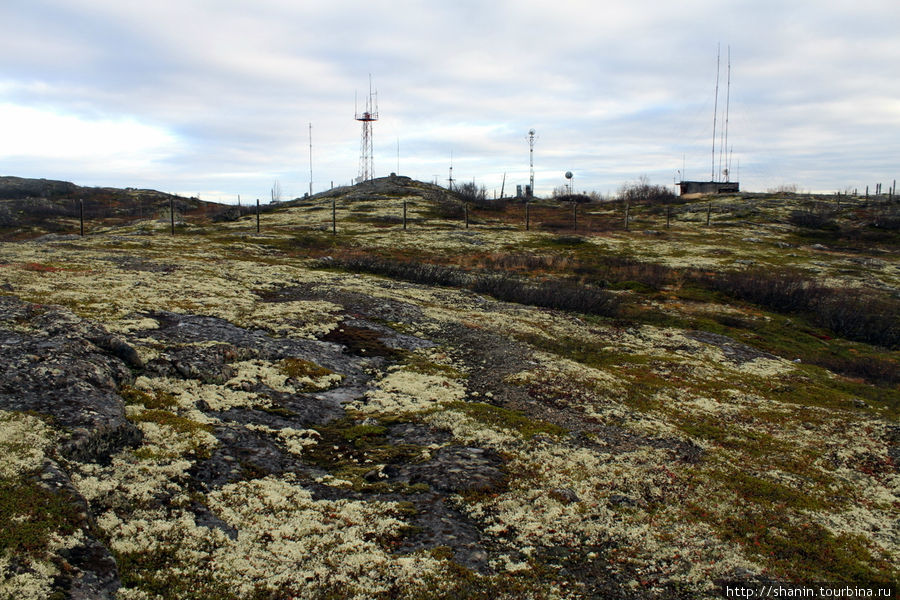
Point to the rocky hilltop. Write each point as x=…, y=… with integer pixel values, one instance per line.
x=447, y=405
x=30, y=207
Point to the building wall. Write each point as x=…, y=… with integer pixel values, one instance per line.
x=709, y=187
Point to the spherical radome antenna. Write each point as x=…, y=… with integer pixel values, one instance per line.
x=569, y=175
x=531, y=132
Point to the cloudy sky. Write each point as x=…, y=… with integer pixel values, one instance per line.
x=215, y=97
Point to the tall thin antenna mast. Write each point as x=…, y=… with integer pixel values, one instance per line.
x=310, y=159
x=451, y=172
x=715, y=114
x=727, y=107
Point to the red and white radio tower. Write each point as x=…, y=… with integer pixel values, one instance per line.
x=369, y=116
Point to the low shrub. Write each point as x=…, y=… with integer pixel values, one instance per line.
x=853, y=314
x=812, y=220
x=548, y=294
x=643, y=192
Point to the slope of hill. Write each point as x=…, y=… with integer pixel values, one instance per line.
x=384, y=394
x=32, y=207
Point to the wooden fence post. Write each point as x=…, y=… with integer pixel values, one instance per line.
x=172, y=213
x=404, y=215
x=333, y=216
x=257, y=215
x=668, y=215
x=467, y=215
x=81, y=212
x=527, y=216
x=575, y=216
x=627, y=209
x=708, y=212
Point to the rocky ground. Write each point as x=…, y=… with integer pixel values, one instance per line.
x=228, y=414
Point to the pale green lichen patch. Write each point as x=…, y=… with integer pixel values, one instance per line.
x=288, y=375
x=38, y=521
x=401, y=391
x=25, y=441
x=286, y=543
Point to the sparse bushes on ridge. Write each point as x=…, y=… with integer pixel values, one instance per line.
x=853, y=314
x=812, y=220
x=444, y=206
x=643, y=192
x=469, y=192
x=548, y=294
x=577, y=198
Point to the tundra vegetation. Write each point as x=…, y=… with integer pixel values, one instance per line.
x=450, y=412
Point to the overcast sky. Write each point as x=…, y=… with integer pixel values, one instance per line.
x=215, y=97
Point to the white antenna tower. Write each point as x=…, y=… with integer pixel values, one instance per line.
x=369, y=116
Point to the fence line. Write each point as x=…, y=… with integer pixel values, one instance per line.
x=577, y=218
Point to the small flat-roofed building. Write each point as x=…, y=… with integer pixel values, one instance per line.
x=709, y=187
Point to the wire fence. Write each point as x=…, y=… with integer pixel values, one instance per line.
x=334, y=214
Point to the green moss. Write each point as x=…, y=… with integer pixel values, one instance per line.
x=770, y=493
x=155, y=572
x=751, y=443
x=348, y=450
x=30, y=513
x=582, y=351
x=170, y=419
x=803, y=550
x=361, y=435
x=278, y=411
x=159, y=400
x=299, y=368
x=504, y=418
x=419, y=364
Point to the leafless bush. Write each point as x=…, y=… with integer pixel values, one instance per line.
x=577, y=198
x=783, y=291
x=469, y=192
x=877, y=370
x=861, y=317
x=785, y=188
x=643, y=192
x=812, y=220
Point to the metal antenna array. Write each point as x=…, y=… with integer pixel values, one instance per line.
x=727, y=171
x=451, y=180
x=531, y=161
x=367, y=117
x=712, y=174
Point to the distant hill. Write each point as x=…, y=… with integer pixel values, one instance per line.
x=33, y=206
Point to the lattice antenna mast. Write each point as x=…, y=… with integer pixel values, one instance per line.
x=531, y=159
x=451, y=180
x=367, y=117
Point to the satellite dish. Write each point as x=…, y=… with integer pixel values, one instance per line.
x=568, y=174
x=531, y=132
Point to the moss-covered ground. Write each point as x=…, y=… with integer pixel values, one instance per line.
x=689, y=434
